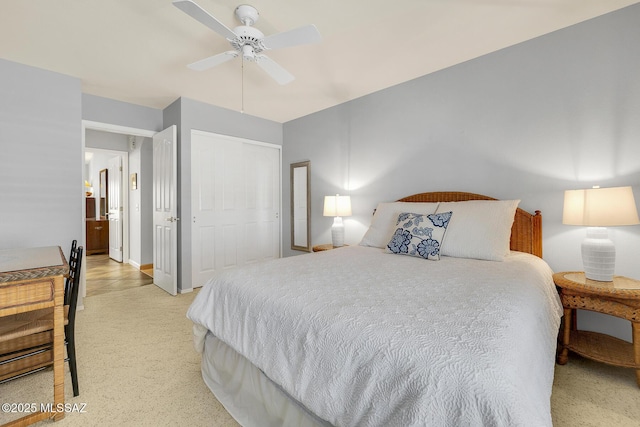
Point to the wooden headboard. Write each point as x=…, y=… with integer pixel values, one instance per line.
x=526, y=232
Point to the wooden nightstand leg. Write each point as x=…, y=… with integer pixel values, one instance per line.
x=563, y=357
x=635, y=326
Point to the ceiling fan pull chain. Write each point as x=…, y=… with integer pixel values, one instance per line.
x=242, y=89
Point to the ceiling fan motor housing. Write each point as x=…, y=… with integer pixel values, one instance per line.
x=248, y=41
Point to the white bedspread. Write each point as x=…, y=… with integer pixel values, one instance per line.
x=365, y=338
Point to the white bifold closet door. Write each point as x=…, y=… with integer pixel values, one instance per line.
x=235, y=191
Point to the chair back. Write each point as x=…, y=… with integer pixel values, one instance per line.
x=72, y=285
x=74, y=244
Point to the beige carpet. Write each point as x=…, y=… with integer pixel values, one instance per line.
x=137, y=367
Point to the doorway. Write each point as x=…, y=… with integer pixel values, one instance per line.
x=101, y=139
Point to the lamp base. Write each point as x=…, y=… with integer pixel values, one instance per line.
x=598, y=255
x=337, y=232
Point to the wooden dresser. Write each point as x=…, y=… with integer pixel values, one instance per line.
x=97, y=236
x=97, y=230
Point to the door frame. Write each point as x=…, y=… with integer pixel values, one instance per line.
x=111, y=128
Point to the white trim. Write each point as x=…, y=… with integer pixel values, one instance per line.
x=106, y=127
x=236, y=138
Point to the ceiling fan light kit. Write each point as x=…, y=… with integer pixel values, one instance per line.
x=247, y=41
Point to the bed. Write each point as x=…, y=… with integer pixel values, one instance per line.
x=385, y=333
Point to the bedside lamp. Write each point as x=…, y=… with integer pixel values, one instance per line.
x=598, y=208
x=337, y=206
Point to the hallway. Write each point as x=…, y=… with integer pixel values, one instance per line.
x=106, y=275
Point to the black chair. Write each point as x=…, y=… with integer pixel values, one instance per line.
x=26, y=339
x=71, y=289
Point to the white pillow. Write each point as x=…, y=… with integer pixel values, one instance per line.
x=383, y=223
x=419, y=235
x=479, y=229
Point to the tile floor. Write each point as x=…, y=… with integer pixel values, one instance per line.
x=106, y=275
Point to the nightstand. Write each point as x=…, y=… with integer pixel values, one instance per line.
x=325, y=247
x=620, y=298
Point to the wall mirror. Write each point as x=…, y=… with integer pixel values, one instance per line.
x=300, y=206
x=104, y=191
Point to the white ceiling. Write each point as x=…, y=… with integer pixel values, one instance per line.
x=137, y=50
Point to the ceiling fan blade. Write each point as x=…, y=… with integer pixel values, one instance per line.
x=204, y=17
x=272, y=68
x=302, y=35
x=212, y=61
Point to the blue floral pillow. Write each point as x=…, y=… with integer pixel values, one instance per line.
x=419, y=235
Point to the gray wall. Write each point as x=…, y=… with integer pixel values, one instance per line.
x=104, y=110
x=106, y=140
x=41, y=163
x=555, y=113
x=188, y=114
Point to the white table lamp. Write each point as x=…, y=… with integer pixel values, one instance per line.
x=597, y=208
x=337, y=206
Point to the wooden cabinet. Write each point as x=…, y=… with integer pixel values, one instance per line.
x=97, y=236
x=90, y=207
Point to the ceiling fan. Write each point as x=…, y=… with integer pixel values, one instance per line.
x=247, y=40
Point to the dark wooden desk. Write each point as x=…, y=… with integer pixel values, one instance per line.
x=31, y=279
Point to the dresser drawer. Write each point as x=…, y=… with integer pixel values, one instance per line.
x=30, y=292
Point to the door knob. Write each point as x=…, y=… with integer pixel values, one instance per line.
x=172, y=219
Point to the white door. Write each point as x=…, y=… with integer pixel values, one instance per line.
x=235, y=190
x=165, y=211
x=115, y=208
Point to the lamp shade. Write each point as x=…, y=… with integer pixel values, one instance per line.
x=337, y=205
x=600, y=207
